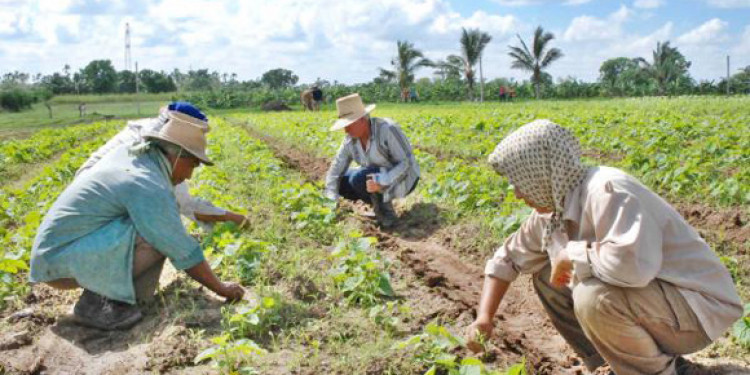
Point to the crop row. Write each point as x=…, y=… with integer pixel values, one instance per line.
x=687, y=149
x=22, y=210
x=42, y=145
x=298, y=257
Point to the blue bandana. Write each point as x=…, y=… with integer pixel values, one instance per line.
x=188, y=109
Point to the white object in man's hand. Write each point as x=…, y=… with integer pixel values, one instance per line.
x=372, y=185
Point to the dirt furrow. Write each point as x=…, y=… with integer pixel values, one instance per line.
x=525, y=328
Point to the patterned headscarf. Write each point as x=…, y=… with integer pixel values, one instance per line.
x=543, y=160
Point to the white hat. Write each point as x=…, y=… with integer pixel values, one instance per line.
x=185, y=131
x=350, y=109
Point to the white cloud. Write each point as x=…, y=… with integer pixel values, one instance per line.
x=708, y=33
x=743, y=48
x=521, y=3
x=592, y=28
x=648, y=4
x=729, y=3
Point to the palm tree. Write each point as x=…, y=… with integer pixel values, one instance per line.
x=473, y=42
x=405, y=64
x=536, y=60
x=668, y=65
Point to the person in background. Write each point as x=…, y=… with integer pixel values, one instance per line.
x=317, y=96
x=196, y=209
x=111, y=229
x=624, y=278
x=388, y=167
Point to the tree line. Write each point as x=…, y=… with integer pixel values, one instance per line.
x=454, y=78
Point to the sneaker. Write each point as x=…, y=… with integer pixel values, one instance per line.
x=94, y=310
x=384, y=212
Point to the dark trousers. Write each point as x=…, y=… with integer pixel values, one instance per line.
x=353, y=184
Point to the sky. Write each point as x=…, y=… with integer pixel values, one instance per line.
x=348, y=40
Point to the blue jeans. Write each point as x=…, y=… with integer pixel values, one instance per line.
x=353, y=184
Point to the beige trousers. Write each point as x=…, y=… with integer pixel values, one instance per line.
x=147, y=266
x=636, y=330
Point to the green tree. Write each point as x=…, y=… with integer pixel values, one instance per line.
x=408, y=59
x=622, y=76
x=537, y=59
x=126, y=81
x=669, y=66
x=472, y=42
x=156, y=82
x=100, y=76
x=450, y=69
x=279, y=78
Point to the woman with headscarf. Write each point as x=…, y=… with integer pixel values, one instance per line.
x=624, y=278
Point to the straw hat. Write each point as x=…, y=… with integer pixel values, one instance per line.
x=185, y=131
x=350, y=109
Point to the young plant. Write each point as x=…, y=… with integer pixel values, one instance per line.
x=360, y=272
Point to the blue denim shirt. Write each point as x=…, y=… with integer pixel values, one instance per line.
x=89, y=232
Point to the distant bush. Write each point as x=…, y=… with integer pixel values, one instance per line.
x=17, y=99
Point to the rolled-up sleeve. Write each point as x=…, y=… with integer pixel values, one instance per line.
x=520, y=253
x=400, y=152
x=627, y=252
x=339, y=165
x=153, y=210
x=190, y=205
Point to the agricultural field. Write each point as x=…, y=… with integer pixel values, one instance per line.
x=328, y=292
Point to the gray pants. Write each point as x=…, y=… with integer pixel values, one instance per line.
x=635, y=330
x=147, y=266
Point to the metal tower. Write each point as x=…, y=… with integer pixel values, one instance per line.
x=128, y=58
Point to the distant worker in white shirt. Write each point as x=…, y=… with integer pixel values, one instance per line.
x=624, y=278
x=193, y=208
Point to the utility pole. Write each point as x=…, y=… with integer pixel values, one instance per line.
x=481, y=80
x=728, y=76
x=137, y=99
x=128, y=57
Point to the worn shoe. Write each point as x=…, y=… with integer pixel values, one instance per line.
x=384, y=212
x=94, y=310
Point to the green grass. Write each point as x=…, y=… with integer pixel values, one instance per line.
x=112, y=98
x=22, y=124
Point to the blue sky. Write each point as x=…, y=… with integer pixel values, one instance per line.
x=347, y=40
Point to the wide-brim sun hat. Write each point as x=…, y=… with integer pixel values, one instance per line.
x=350, y=109
x=185, y=131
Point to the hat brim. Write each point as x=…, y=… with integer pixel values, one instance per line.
x=199, y=155
x=346, y=121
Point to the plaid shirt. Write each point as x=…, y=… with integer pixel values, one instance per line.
x=388, y=149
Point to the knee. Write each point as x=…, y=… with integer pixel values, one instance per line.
x=595, y=301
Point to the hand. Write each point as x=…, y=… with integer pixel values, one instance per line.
x=233, y=292
x=562, y=269
x=373, y=187
x=479, y=331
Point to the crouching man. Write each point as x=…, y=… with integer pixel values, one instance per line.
x=623, y=277
x=388, y=168
x=112, y=227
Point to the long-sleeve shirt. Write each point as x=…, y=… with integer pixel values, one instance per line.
x=133, y=133
x=387, y=149
x=625, y=235
x=89, y=232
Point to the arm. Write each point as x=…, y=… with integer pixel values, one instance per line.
x=202, y=273
x=627, y=250
x=228, y=216
x=493, y=292
x=400, y=151
x=521, y=252
x=338, y=167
